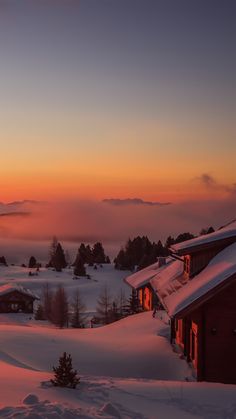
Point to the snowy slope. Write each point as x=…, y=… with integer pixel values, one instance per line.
x=120, y=365
x=128, y=369
x=89, y=288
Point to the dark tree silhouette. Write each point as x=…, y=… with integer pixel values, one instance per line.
x=32, y=262
x=3, y=261
x=133, y=306
x=78, y=311
x=79, y=268
x=64, y=374
x=58, y=261
x=60, y=308
x=104, y=304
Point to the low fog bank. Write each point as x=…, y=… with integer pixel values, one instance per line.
x=29, y=228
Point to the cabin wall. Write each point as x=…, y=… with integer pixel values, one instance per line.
x=16, y=302
x=190, y=340
x=180, y=332
x=197, y=261
x=209, y=337
x=220, y=337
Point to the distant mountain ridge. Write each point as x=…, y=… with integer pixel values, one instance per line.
x=133, y=201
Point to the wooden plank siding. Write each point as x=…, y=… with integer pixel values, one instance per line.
x=197, y=261
x=16, y=302
x=147, y=297
x=207, y=337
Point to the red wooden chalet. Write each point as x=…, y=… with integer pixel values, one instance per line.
x=198, y=290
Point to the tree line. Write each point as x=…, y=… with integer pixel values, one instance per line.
x=138, y=253
x=141, y=252
x=59, y=310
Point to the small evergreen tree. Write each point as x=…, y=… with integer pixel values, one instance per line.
x=3, y=261
x=32, y=262
x=89, y=255
x=52, y=250
x=133, y=306
x=79, y=269
x=58, y=260
x=98, y=253
x=108, y=260
x=64, y=374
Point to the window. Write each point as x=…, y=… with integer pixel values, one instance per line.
x=187, y=264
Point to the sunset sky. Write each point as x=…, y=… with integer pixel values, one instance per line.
x=117, y=98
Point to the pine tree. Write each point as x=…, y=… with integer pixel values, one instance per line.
x=133, y=303
x=3, y=261
x=98, y=253
x=104, y=305
x=108, y=260
x=79, y=269
x=59, y=260
x=89, y=255
x=32, y=262
x=52, y=250
x=64, y=374
x=78, y=311
x=60, y=308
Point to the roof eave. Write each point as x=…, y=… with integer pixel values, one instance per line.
x=204, y=298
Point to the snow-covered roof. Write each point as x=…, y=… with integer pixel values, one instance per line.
x=228, y=231
x=142, y=277
x=221, y=267
x=168, y=280
x=7, y=288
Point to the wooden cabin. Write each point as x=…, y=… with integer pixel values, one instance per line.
x=197, y=288
x=206, y=332
x=16, y=299
x=201, y=302
x=141, y=282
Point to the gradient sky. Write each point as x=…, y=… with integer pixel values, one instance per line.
x=120, y=98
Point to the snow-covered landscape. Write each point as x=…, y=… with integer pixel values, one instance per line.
x=127, y=369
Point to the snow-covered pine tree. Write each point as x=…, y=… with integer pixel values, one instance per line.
x=64, y=374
